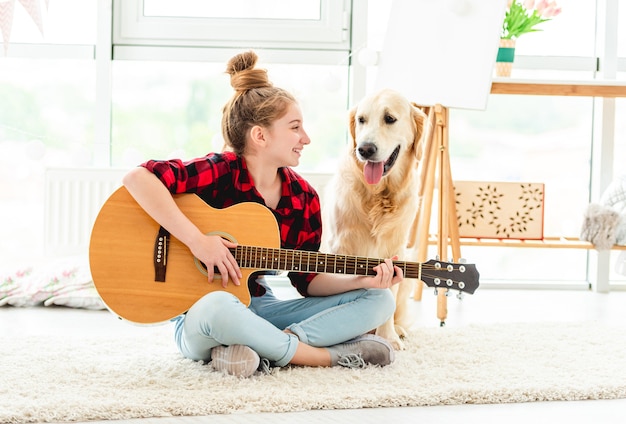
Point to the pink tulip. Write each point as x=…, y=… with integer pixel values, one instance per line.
x=542, y=5
x=529, y=4
x=552, y=10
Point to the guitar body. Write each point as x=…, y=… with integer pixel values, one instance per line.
x=122, y=255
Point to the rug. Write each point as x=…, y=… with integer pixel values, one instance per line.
x=140, y=374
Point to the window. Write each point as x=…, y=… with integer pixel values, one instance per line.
x=530, y=139
x=168, y=100
x=235, y=9
x=47, y=87
x=171, y=109
x=62, y=22
x=312, y=24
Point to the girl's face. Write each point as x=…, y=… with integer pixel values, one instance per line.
x=286, y=138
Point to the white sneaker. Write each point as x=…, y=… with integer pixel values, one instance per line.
x=237, y=360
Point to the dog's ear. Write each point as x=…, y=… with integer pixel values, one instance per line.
x=421, y=124
x=352, y=125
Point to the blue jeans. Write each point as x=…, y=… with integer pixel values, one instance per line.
x=219, y=318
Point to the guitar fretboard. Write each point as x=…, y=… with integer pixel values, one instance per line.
x=305, y=261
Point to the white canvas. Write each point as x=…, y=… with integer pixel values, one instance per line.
x=442, y=51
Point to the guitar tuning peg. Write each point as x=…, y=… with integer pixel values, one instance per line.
x=436, y=257
x=447, y=293
x=462, y=261
x=436, y=291
x=459, y=295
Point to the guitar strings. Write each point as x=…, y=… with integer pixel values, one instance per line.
x=256, y=255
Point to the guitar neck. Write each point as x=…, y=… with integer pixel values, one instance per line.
x=305, y=261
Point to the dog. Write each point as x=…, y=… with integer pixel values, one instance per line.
x=372, y=199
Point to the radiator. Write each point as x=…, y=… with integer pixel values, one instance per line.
x=73, y=198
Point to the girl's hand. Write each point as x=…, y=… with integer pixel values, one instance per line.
x=387, y=274
x=213, y=252
x=328, y=284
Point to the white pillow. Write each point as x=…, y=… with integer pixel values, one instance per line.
x=83, y=297
x=11, y=282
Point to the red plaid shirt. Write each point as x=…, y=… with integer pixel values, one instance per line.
x=222, y=180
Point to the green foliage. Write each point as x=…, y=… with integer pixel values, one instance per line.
x=523, y=18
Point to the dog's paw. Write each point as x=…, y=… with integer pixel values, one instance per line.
x=393, y=338
x=397, y=344
x=400, y=331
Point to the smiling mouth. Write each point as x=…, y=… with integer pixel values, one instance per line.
x=391, y=161
x=374, y=171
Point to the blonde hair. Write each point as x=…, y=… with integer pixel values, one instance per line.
x=256, y=101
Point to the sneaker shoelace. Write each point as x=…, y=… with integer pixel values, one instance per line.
x=351, y=360
x=264, y=366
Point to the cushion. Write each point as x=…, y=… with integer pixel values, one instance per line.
x=10, y=282
x=63, y=281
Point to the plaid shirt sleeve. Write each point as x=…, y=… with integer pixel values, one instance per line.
x=193, y=176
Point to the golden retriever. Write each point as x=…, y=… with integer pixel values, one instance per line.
x=371, y=201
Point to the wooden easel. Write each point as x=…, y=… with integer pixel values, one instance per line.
x=436, y=170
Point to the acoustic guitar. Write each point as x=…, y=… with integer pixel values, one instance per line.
x=146, y=276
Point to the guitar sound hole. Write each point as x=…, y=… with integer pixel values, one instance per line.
x=204, y=268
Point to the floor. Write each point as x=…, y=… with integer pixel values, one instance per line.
x=486, y=305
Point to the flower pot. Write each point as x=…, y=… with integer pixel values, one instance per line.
x=505, y=58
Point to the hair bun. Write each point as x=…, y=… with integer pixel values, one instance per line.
x=243, y=75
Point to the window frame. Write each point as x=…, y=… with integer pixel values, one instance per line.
x=330, y=32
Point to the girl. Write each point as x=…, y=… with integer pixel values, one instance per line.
x=263, y=128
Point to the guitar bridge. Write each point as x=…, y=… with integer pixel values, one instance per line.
x=161, y=244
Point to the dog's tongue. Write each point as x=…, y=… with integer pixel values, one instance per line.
x=373, y=171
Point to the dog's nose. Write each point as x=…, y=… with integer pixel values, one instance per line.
x=367, y=150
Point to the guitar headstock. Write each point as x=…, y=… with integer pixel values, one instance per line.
x=446, y=275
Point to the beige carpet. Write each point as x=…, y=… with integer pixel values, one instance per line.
x=140, y=374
